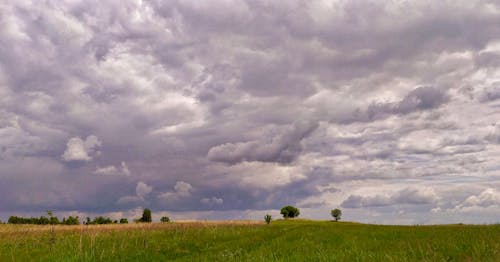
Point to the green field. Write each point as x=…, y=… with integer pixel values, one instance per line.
x=293, y=240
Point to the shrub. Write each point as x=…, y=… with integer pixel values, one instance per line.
x=123, y=221
x=290, y=212
x=165, y=219
x=268, y=218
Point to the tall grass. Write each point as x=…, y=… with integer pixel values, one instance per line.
x=250, y=241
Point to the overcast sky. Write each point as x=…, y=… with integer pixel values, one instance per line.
x=389, y=110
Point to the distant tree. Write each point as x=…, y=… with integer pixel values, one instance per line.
x=290, y=212
x=123, y=221
x=70, y=221
x=336, y=213
x=12, y=220
x=52, y=219
x=100, y=220
x=165, y=219
x=43, y=221
x=146, y=216
x=268, y=218
x=31, y=220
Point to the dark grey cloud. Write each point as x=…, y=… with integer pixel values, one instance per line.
x=282, y=148
x=109, y=106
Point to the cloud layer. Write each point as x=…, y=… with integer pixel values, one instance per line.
x=227, y=109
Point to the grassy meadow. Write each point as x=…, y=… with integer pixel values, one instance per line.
x=292, y=240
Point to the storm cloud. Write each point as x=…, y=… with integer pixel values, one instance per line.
x=231, y=109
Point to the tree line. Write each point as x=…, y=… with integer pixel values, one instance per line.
x=74, y=220
x=286, y=211
x=43, y=220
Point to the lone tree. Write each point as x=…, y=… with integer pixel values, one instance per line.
x=290, y=212
x=146, y=216
x=268, y=218
x=165, y=219
x=336, y=213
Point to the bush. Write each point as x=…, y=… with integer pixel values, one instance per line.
x=290, y=212
x=336, y=213
x=268, y=218
x=165, y=219
x=123, y=221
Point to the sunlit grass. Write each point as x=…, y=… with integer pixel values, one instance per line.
x=294, y=240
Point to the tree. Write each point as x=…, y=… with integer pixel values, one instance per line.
x=290, y=212
x=165, y=219
x=100, y=220
x=146, y=216
x=52, y=219
x=268, y=218
x=123, y=221
x=336, y=213
x=71, y=221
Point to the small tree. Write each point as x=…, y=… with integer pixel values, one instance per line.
x=123, y=221
x=146, y=216
x=165, y=219
x=336, y=213
x=290, y=212
x=268, y=218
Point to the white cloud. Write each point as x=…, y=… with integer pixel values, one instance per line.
x=181, y=190
x=81, y=150
x=108, y=170
x=212, y=201
x=409, y=195
x=260, y=174
x=142, y=189
x=489, y=197
x=112, y=170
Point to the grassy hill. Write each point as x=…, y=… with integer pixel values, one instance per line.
x=293, y=240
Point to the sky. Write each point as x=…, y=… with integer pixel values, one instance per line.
x=388, y=110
